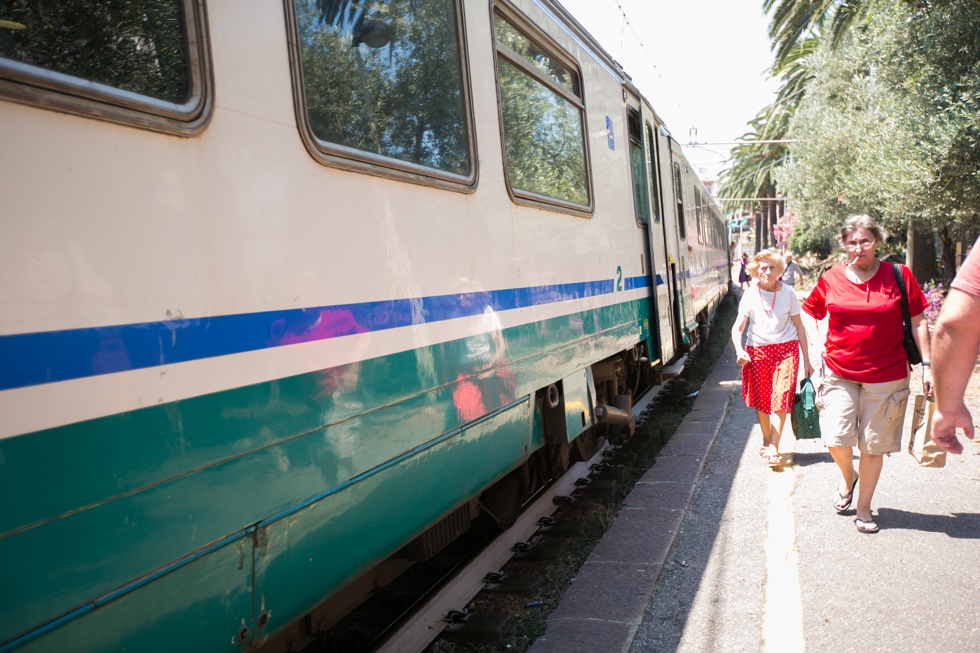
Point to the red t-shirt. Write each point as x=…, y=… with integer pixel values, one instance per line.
x=865, y=332
x=968, y=278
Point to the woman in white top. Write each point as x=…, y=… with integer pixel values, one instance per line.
x=770, y=360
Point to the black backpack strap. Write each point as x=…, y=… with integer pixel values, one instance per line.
x=897, y=270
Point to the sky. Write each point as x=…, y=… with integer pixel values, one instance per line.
x=702, y=64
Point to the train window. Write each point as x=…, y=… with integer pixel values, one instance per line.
x=383, y=85
x=142, y=62
x=698, y=215
x=652, y=169
x=542, y=113
x=641, y=192
x=679, y=199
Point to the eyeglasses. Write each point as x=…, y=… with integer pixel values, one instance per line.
x=864, y=244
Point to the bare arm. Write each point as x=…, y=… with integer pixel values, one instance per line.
x=920, y=333
x=954, y=355
x=804, y=345
x=742, y=357
x=818, y=339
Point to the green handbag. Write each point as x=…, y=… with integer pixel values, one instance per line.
x=805, y=418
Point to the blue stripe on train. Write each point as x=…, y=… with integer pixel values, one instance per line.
x=36, y=358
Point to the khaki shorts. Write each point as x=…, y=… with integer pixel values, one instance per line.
x=870, y=416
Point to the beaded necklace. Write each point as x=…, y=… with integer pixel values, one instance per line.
x=772, y=306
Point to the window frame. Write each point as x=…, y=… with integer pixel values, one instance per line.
x=46, y=89
x=537, y=36
x=349, y=158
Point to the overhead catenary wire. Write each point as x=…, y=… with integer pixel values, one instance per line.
x=646, y=53
x=751, y=199
x=779, y=141
x=755, y=172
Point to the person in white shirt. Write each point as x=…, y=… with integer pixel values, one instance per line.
x=770, y=360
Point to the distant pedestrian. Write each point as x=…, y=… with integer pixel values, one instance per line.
x=744, y=278
x=865, y=391
x=954, y=353
x=770, y=360
x=792, y=271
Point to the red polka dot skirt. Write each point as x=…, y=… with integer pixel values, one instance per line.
x=769, y=380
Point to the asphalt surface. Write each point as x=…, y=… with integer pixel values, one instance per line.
x=713, y=551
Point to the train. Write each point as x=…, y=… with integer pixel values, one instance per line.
x=292, y=294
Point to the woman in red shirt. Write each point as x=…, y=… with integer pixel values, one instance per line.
x=865, y=389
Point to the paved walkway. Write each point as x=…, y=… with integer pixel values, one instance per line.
x=713, y=551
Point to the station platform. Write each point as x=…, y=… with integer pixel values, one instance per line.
x=604, y=607
x=714, y=551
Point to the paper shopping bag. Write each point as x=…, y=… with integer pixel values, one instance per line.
x=921, y=445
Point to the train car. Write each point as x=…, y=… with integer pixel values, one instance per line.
x=292, y=294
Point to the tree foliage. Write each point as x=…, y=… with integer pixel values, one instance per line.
x=133, y=45
x=543, y=138
x=542, y=133
x=403, y=98
x=794, y=21
x=890, y=123
x=754, y=161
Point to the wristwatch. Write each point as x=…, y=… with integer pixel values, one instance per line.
x=926, y=363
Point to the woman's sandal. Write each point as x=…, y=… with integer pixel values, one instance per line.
x=844, y=501
x=773, y=459
x=868, y=527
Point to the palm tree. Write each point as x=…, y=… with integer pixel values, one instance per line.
x=751, y=176
x=797, y=30
x=755, y=159
x=794, y=20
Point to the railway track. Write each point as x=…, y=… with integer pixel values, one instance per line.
x=448, y=602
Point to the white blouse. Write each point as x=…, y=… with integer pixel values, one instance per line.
x=769, y=315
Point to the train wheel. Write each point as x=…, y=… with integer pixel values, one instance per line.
x=501, y=503
x=560, y=457
x=587, y=444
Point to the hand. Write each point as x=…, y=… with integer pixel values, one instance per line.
x=927, y=381
x=945, y=423
x=743, y=358
x=807, y=368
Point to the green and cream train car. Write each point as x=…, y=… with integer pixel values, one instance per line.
x=292, y=292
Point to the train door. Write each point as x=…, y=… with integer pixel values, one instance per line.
x=644, y=208
x=672, y=242
x=660, y=259
x=684, y=316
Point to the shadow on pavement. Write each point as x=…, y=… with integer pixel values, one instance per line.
x=960, y=525
x=683, y=574
x=811, y=458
